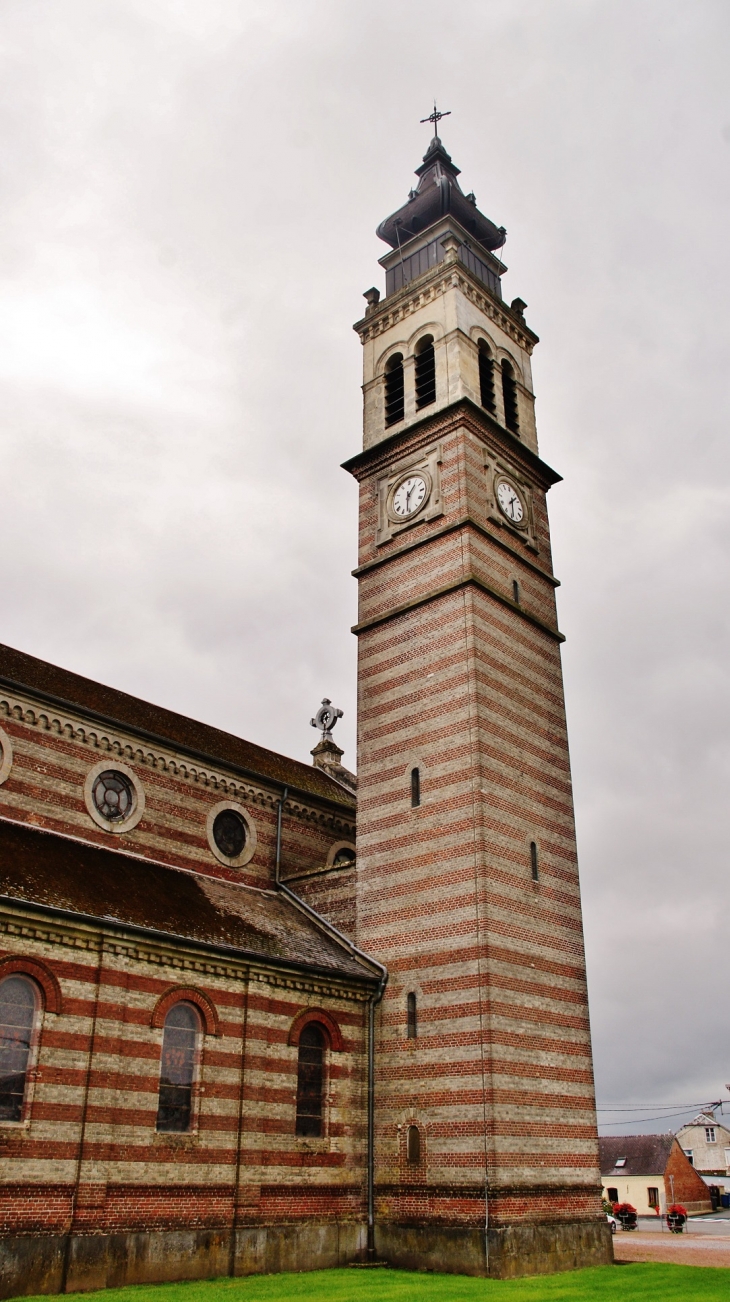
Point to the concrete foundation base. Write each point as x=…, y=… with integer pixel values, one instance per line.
x=37, y=1263
x=501, y=1253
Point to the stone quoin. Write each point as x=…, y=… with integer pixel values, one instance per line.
x=259, y=1015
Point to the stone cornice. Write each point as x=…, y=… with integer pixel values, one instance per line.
x=424, y=289
x=464, y=521
x=443, y=422
x=462, y=582
x=110, y=739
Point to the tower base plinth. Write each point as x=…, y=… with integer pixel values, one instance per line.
x=502, y=1253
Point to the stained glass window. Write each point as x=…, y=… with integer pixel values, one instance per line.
x=310, y=1081
x=177, y=1068
x=18, y=1003
x=113, y=796
x=229, y=833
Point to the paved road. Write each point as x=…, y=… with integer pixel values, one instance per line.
x=716, y=1224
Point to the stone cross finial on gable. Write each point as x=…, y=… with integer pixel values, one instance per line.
x=326, y=718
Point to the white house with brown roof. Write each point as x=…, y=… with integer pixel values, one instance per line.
x=651, y=1172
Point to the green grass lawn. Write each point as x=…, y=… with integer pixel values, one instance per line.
x=635, y=1283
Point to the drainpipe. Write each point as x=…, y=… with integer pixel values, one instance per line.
x=372, y=1002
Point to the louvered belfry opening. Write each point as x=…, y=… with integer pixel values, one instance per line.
x=310, y=1081
x=394, y=391
x=425, y=373
x=486, y=377
x=509, y=393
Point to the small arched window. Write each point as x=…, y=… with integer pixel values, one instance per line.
x=310, y=1081
x=486, y=376
x=411, y=1022
x=415, y=788
x=18, y=1008
x=413, y=1145
x=394, y=390
x=509, y=393
x=177, y=1068
x=533, y=861
x=425, y=372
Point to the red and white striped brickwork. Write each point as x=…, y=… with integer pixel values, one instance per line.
x=87, y=1156
x=459, y=676
x=54, y=750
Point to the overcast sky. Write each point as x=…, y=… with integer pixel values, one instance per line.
x=190, y=190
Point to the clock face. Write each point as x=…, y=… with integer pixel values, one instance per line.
x=409, y=496
x=510, y=502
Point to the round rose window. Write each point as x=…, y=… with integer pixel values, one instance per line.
x=113, y=796
x=229, y=833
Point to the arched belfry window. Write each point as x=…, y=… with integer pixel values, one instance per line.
x=19, y=1006
x=394, y=391
x=425, y=372
x=486, y=376
x=310, y=1081
x=415, y=788
x=180, y=1039
x=509, y=393
x=413, y=1145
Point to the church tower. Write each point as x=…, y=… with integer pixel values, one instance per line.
x=486, y=1155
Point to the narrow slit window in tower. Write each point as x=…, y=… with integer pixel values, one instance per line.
x=486, y=377
x=425, y=373
x=394, y=393
x=415, y=788
x=411, y=1023
x=509, y=393
x=533, y=861
x=516, y=591
x=413, y=1145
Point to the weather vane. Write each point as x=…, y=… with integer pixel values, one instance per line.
x=436, y=117
x=326, y=718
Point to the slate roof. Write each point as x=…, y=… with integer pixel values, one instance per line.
x=645, y=1154
x=93, y=883
x=200, y=739
x=438, y=193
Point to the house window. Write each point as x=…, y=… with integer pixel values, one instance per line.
x=612, y=1195
x=394, y=391
x=509, y=394
x=653, y=1197
x=710, y=1134
x=411, y=1024
x=19, y=1005
x=413, y=1145
x=415, y=788
x=425, y=373
x=310, y=1082
x=486, y=376
x=177, y=1069
x=689, y=1154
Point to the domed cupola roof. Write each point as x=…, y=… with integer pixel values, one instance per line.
x=438, y=195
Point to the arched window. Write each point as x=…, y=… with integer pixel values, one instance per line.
x=415, y=788
x=509, y=393
x=533, y=861
x=177, y=1068
x=310, y=1081
x=18, y=1006
x=411, y=1023
x=394, y=392
x=413, y=1145
x=425, y=372
x=486, y=376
